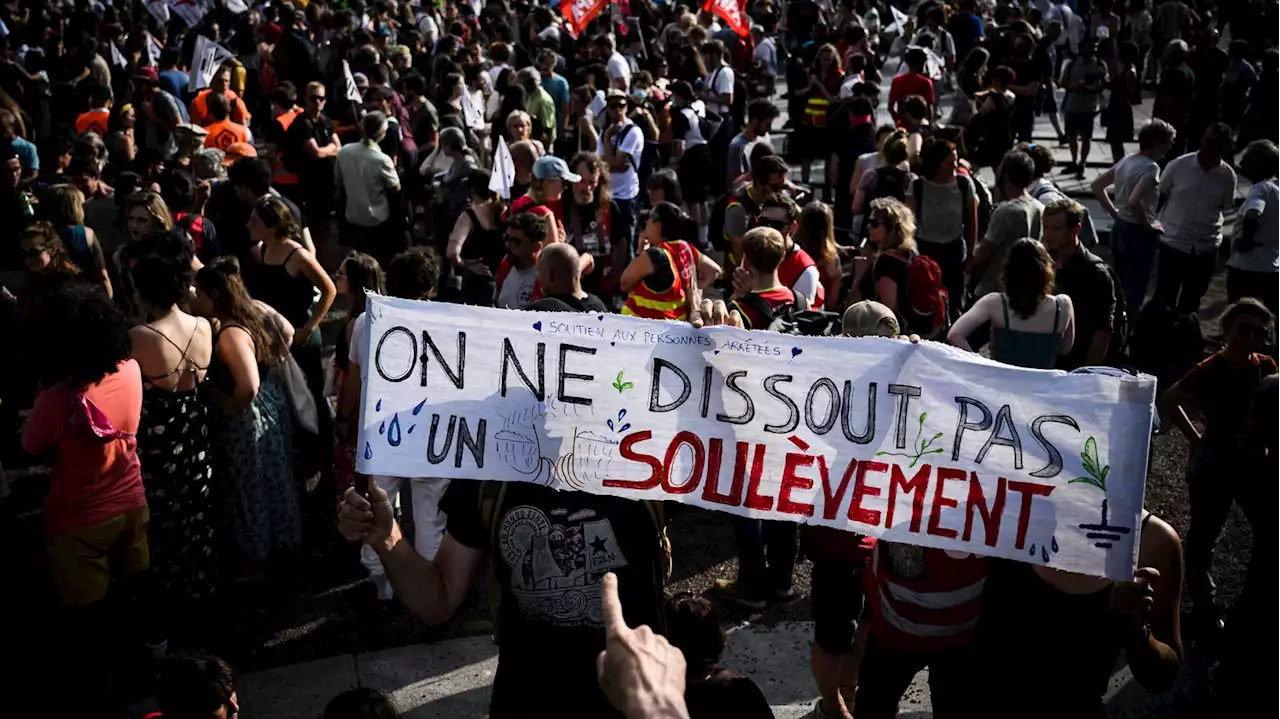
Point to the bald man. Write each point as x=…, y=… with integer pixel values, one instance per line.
x=559, y=275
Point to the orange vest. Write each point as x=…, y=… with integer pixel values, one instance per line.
x=671, y=303
x=223, y=134
x=279, y=175
x=94, y=121
x=200, y=107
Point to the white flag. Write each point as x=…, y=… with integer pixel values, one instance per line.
x=504, y=171
x=190, y=12
x=206, y=60
x=899, y=22
x=471, y=116
x=154, y=48
x=353, y=92
x=159, y=10
x=237, y=6
x=117, y=57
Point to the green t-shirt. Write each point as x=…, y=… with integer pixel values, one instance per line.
x=543, y=110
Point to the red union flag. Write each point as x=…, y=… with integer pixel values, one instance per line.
x=579, y=13
x=731, y=11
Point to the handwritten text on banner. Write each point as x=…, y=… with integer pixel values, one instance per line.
x=922, y=444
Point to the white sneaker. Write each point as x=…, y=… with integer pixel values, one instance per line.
x=817, y=712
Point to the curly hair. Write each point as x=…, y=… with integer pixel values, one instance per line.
x=413, y=274
x=81, y=334
x=162, y=272
x=899, y=224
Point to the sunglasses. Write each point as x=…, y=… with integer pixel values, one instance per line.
x=775, y=224
x=873, y=222
x=317, y=98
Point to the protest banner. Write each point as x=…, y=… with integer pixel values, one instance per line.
x=578, y=14
x=207, y=58
x=921, y=444
x=733, y=12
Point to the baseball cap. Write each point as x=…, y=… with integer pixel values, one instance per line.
x=237, y=150
x=615, y=94
x=551, y=166
x=207, y=164
x=869, y=319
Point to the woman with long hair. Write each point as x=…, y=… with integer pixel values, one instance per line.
x=359, y=273
x=1030, y=326
x=144, y=213
x=64, y=207
x=48, y=265
x=972, y=79
x=891, y=176
x=945, y=205
x=815, y=233
x=173, y=350
x=880, y=274
x=477, y=243
x=825, y=76
x=252, y=421
x=667, y=276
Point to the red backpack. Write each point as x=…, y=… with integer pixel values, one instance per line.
x=926, y=310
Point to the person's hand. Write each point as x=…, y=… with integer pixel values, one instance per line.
x=1157, y=226
x=1137, y=597
x=861, y=264
x=366, y=520
x=717, y=313
x=639, y=671
x=203, y=189
x=741, y=279
x=7, y=295
x=912, y=338
x=478, y=268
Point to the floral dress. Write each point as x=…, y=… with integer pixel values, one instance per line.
x=254, y=456
x=177, y=474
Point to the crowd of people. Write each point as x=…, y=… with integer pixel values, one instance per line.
x=191, y=231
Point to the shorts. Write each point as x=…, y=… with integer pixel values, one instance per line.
x=836, y=598
x=1078, y=124
x=1048, y=104
x=84, y=560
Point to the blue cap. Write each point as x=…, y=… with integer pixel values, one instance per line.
x=550, y=166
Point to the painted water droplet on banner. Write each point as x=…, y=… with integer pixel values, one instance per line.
x=1033, y=550
x=382, y=428
x=1044, y=553
x=418, y=407
x=378, y=406
x=368, y=451
x=1055, y=545
x=393, y=432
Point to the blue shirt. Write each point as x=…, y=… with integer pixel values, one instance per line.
x=558, y=88
x=175, y=82
x=27, y=155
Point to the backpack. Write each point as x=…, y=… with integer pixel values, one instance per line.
x=650, y=158
x=926, y=295
x=968, y=189
x=492, y=495
x=795, y=318
x=715, y=223
x=1118, y=351
x=1088, y=233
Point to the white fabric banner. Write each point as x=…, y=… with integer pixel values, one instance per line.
x=207, y=57
x=189, y=10
x=920, y=444
x=159, y=10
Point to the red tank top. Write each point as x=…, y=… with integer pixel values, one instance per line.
x=793, y=265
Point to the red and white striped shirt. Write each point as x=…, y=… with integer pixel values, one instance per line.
x=923, y=599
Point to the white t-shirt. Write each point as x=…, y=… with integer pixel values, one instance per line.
x=629, y=139
x=720, y=83
x=494, y=72
x=1129, y=172
x=618, y=68
x=1192, y=217
x=1264, y=199
x=360, y=344
x=517, y=288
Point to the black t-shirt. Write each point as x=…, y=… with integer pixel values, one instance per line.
x=550, y=549
x=890, y=265
x=1026, y=72
x=296, y=158
x=1085, y=280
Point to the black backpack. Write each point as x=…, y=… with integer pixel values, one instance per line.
x=794, y=318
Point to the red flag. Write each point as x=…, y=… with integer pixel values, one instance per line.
x=732, y=12
x=579, y=13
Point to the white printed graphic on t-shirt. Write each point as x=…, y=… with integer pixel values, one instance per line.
x=557, y=563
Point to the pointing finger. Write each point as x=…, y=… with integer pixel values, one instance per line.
x=613, y=621
x=353, y=500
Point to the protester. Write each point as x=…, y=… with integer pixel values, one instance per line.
x=693, y=627
x=1098, y=308
x=946, y=209
x=1254, y=266
x=665, y=280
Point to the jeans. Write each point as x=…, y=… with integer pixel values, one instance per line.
x=766, y=554
x=1135, y=253
x=1182, y=278
x=950, y=258
x=1213, y=479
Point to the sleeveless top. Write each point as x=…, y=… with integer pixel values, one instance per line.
x=76, y=240
x=291, y=296
x=486, y=245
x=1035, y=350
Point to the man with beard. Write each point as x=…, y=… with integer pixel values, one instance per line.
x=589, y=222
x=768, y=176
